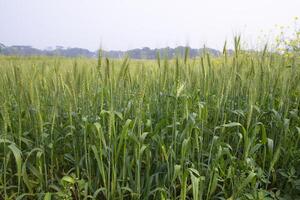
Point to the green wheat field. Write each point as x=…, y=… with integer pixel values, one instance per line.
x=205, y=128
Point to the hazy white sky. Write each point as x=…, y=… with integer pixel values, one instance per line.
x=126, y=24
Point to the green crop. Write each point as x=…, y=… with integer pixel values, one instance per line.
x=201, y=128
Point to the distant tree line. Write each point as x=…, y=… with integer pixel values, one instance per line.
x=143, y=53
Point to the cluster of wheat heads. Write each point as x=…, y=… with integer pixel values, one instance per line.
x=202, y=128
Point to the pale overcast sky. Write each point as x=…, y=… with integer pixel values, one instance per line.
x=126, y=24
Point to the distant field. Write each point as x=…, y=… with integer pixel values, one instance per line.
x=203, y=128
